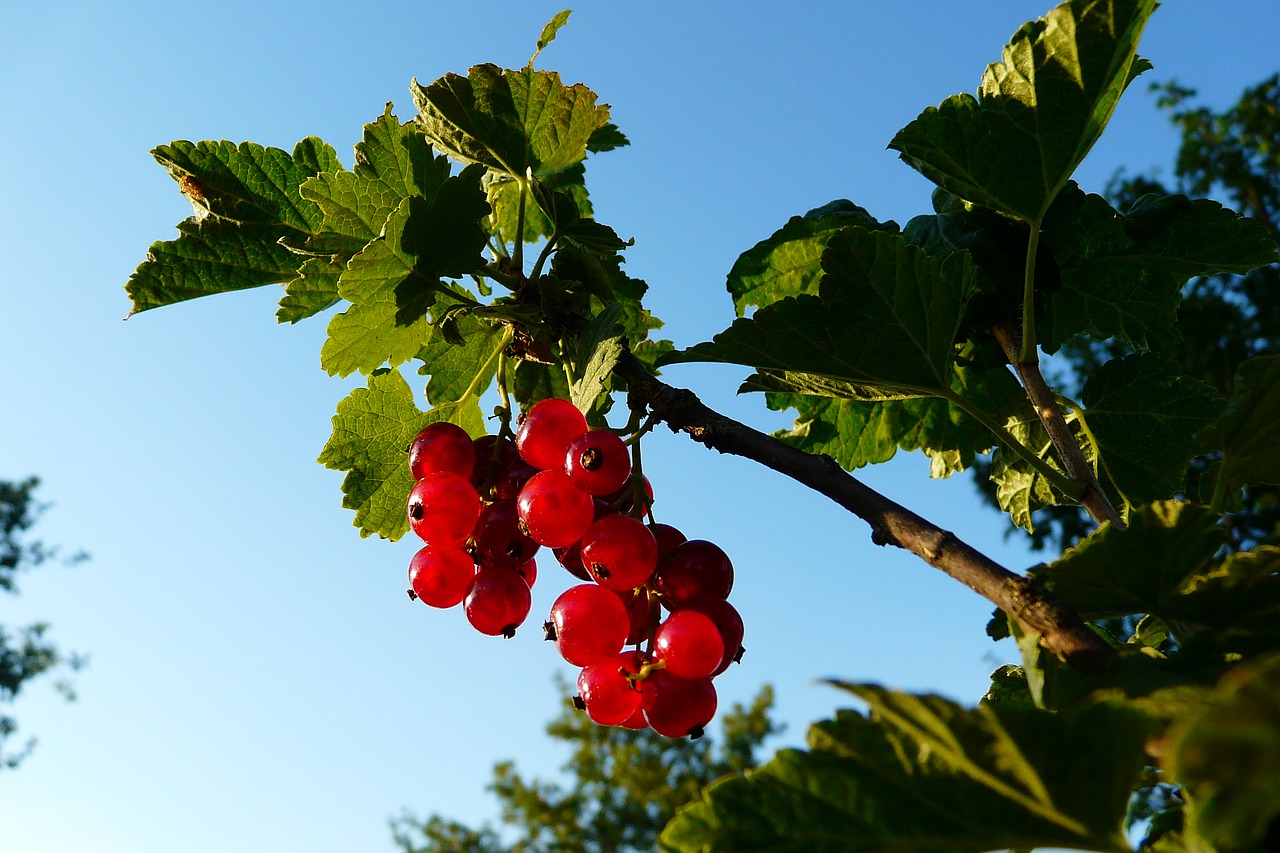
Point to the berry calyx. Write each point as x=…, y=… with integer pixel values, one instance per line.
x=598, y=462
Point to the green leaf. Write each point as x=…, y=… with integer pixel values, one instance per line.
x=549, y=32
x=534, y=382
x=394, y=282
x=247, y=200
x=1225, y=756
x=371, y=431
x=1238, y=601
x=1122, y=276
x=789, y=262
x=314, y=289
x=1145, y=419
x=504, y=197
x=461, y=372
x=1038, y=111
x=1020, y=488
x=886, y=315
x=1248, y=432
x=596, y=352
x=1115, y=571
x=393, y=161
x=515, y=122
x=922, y=774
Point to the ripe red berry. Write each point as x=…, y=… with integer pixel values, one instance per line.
x=598, y=462
x=554, y=511
x=608, y=695
x=694, y=569
x=588, y=624
x=677, y=707
x=728, y=622
x=498, y=540
x=689, y=643
x=440, y=576
x=571, y=559
x=443, y=508
x=547, y=430
x=495, y=457
x=442, y=446
x=497, y=602
x=619, y=551
x=667, y=537
x=529, y=571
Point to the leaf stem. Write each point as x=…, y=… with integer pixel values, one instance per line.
x=1029, y=351
x=519, y=248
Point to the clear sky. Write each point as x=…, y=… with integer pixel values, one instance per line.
x=258, y=680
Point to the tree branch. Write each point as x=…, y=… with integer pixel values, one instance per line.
x=1094, y=500
x=1034, y=608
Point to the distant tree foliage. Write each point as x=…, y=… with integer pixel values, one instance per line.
x=625, y=785
x=25, y=652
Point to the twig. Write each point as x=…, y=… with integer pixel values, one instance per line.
x=1035, y=609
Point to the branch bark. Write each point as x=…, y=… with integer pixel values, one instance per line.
x=1035, y=609
x=1042, y=398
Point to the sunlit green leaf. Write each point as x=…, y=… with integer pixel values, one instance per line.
x=1038, y=111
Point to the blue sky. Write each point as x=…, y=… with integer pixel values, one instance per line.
x=258, y=680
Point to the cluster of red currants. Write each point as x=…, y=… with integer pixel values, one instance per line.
x=485, y=508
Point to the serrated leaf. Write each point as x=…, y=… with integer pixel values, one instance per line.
x=314, y=289
x=504, y=198
x=596, y=353
x=1145, y=419
x=1122, y=276
x=606, y=137
x=1225, y=755
x=534, y=382
x=458, y=372
x=394, y=282
x=393, y=162
x=923, y=774
x=789, y=262
x=515, y=122
x=1248, y=431
x=1038, y=111
x=1020, y=488
x=248, y=198
x=1238, y=600
x=371, y=431
x=1115, y=571
x=886, y=314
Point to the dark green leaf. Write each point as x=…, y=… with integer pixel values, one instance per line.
x=1115, y=571
x=1239, y=600
x=514, y=122
x=394, y=282
x=1037, y=113
x=1248, y=433
x=534, y=382
x=1145, y=419
x=789, y=262
x=1020, y=488
x=465, y=371
x=886, y=315
x=1225, y=756
x=313, y=290
x=248, y=200
x=1121, y=276
x=596, y=352
x=922, y=774
x=607, y=137
x=567, y=186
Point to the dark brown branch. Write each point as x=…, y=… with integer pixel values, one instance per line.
x=1035, y=609
x=1045, y=404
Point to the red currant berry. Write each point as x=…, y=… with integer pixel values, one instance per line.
x=677, y=707
x=608, y=695
x=443, y=508
x=588, y=623
x=497, y=602
x=667, y=537
x=571, y=559
x=547, y=430
x=635, y=721
x=529, y=571
x=728, y=622
x=689, y=643
x=498, y=539
x=554, y=511
x=619, y=551
x=440, y=576
x=495, y=456
x=442, y=446
x=598, y=462
x=694, y=569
